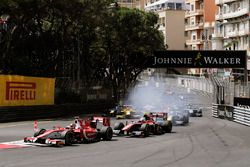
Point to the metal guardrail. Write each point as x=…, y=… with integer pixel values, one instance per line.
x=242, y=115
x=237, y=114
x=215, y=110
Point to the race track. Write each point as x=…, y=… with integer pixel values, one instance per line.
x=205, y=142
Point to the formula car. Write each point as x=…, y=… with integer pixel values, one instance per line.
x=162, y=119
x=78, y=132
x=179, y=117
x=195, y=112
x=124, y=112
x=143, y=127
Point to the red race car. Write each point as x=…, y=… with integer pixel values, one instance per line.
x=143, y=127
x=78, y=132
x=162, y=119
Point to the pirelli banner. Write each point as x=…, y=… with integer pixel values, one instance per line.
x=26, y=91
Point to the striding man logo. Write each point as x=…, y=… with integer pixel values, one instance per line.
x=198, y=60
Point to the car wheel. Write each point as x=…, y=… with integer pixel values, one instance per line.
x=158, y=130
x=68, y=137
x=118, y=126
x=39, y=132
x=106, y=133
x=169, y=126
x=145, y=129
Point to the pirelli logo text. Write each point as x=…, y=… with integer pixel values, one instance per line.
x=20, y=90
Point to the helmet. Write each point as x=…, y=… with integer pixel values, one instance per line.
x=72, y=125
x=142, y=119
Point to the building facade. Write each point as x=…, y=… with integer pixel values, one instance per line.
x=194, y=19
x=232, y=25
x=232, y=28
x=171, y=21
x=199, y=21
x=139, y=4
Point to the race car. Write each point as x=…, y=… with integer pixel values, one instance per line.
x=195, y=112
x=125, y=112
x=179, y=117
x=78, y=132
x=143, y=127
x=162, y=119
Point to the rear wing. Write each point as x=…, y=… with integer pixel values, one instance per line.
x=80, y=122
x=104, y=120
x=159, y=114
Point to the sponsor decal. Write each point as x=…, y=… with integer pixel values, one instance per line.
x=197, y=59
x=20, y=90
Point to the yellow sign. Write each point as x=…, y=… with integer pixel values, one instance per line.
x=18, y=90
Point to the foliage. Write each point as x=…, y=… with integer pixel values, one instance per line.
x=88, y=41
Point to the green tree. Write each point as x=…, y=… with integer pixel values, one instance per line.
x=128, y=36
x=88, y=41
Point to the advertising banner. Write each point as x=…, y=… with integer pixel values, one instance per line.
x=26, y=91
x=196, y=59
x=242, y=102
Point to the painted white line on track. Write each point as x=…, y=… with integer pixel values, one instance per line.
x=14, y=144
x=18, y=142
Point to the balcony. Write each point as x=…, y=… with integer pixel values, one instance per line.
x=194, y=13
x=218, y=17
x=218, y=2
x=194, y=27
x=189, y=1
x=243, y=32
x=228, y=1
x=221, y=2
x=217, y=35
x=238, y=13
x=232, y=34
x=194, y=42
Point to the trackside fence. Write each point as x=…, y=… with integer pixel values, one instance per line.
x=22, y=113
x=215, y=110
x=232, y=113
x=242, y=115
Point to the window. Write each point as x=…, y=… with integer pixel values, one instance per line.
x=192, y=21
x=193, y=37
x=170, y=6
x=186, y=33
x=203, y=36
x=210, y=37
x=192, y=7
x=178, y=6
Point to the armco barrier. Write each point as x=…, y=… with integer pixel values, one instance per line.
x=232, y=113
x=215, y=110
x=21, y=113
x=242, y=115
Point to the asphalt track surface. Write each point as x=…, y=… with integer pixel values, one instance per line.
x=205, y=142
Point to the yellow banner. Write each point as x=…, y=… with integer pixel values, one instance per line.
x=18, y=90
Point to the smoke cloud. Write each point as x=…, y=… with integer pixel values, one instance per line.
x=156, y=94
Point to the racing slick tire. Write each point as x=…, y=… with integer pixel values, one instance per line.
x=168, y=127
x=39, y=132
x=106, y=133
x=68, y=137
x=158, y=130
x=145, y=129
x=119, y=126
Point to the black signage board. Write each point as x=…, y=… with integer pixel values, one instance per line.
x=242, y=102
x=197, y=59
